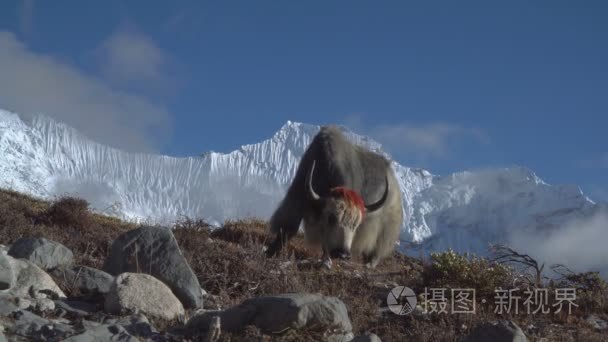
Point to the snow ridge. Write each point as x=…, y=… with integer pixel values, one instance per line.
x=463, y=211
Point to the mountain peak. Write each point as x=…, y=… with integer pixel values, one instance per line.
x=463, y=211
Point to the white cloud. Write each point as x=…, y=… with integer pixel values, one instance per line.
x=430, y=140
x=580, y=244
x=36, y=83
x=128, y=56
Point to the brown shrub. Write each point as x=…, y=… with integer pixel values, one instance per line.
x=68, y=211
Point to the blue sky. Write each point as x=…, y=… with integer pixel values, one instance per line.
x=445, y=85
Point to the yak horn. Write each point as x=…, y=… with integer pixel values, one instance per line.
x=311, y=192
x=375, y=206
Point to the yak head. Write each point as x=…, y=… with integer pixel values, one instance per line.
x=338, y=215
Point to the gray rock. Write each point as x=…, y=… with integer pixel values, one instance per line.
x=31, y=281
x=299, y=311
x=369, y=337
x=46, y=254
x=75, y=308
x=138, y=292
x=597, y=323
x=27, y=323
x=136, y=325
x=24, y=303
x=341, y=338
x=278, y=313
x=7, y=278
x=38, y=328
x=154, y=250
x=7, y=306
x=36, y=304
x=2, y=337
x=232, y=320
x=86, y=279
x=103, y=333
x=501, y=331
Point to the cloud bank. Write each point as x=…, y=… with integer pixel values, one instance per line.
x=580, y=245
x=424, y=141
x=35, y=83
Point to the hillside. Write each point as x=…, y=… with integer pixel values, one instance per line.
x=230, y=266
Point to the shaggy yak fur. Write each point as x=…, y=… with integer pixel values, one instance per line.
x=331, y=191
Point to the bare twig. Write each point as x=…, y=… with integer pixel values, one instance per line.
x=531, y=268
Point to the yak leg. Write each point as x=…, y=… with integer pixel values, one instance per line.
x=279, y=242
x=370, y=260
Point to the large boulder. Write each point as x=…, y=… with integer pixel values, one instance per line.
x=46, y=254
x=154, y=250
x=138, y=292
x=278, y=313
x=31, y=281
x=501, y=331
x=86, y=279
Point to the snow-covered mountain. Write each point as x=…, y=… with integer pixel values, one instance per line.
x=464, y=211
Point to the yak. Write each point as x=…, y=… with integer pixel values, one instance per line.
x=347, y=197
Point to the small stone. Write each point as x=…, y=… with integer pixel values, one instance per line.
x=74, y=308
x=341, y=338
x=103, y=333
x=136, y=325
x=501, y=331
x=597, y=323
x=44, y=305
x=369, y=337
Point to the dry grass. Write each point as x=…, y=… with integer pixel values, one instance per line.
x=231, y=266
x=88, y=235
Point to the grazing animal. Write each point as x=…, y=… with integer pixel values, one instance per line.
x=333, y=184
